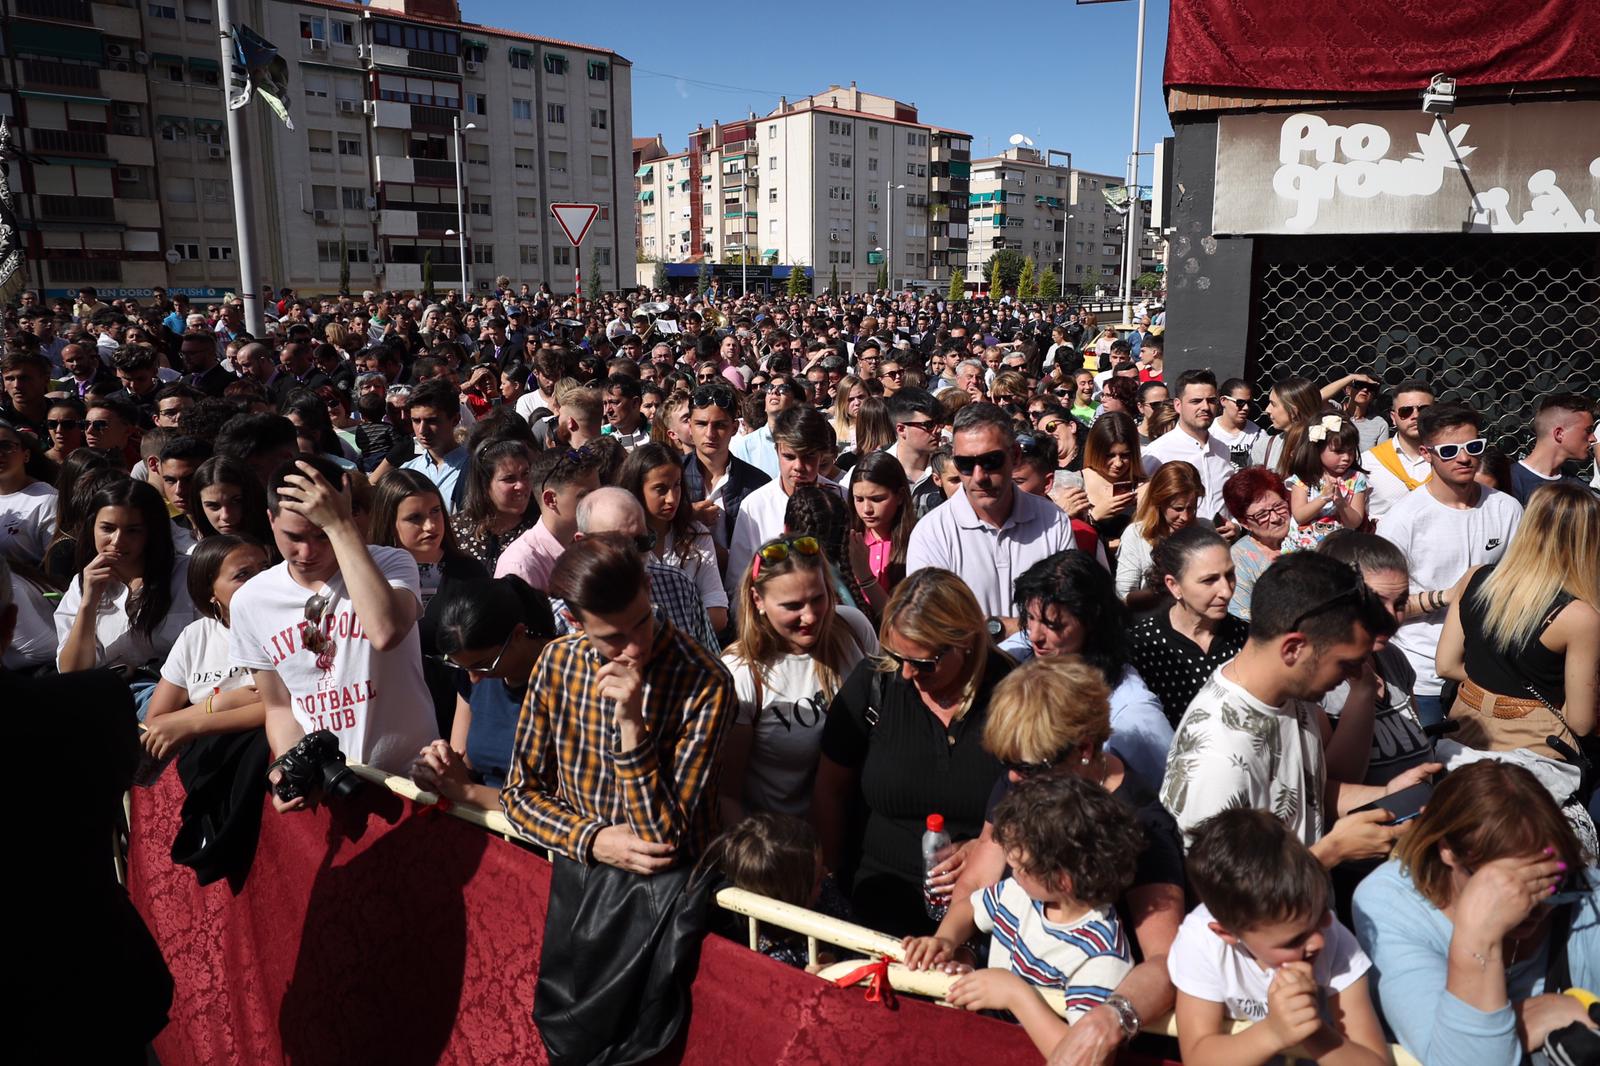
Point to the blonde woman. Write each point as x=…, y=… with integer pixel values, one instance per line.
x=795, y=646
x=904, y=740
x=851, y=393
x=1523, y=635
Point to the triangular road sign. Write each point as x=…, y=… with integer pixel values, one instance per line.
x=575, y=219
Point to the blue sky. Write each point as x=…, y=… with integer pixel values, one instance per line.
x=1059, y=72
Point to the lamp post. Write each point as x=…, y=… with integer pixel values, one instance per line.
x=1130, y=241
x=461, y=207
x=889, y=189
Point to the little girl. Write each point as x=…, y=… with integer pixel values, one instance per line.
x=1327, y=488
x=777, y=856
x=881, y=517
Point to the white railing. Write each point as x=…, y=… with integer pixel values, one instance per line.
x=816, y=928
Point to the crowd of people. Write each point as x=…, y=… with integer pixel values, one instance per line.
x=769, y=582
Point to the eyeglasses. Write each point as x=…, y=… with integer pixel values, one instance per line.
x=990, y=461
x=316, y=641
x=1271, y=514
x=776, y=551
x=575, y=456
x=1243, y=404
x=1356, y=595
x=1407, y=410
x=8, y=447
x=894, y=375
x=927, y=427
x=1029, y=769
x=707, y=376
x=922, y=667
x=99, y=425
x=1448, y=452
x=492, y=666
x=53, y=424
x=713, y=396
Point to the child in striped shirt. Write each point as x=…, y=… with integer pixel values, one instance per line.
x=1071, y=847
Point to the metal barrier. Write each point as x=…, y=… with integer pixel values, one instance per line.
x=816, y=928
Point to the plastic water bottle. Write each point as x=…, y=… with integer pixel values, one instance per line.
x=936, y=848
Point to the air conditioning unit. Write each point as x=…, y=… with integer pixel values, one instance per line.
x=127, y=110
x=128, y=129
x=317, y=44
x=369, y=106
x=349, y=107
x=473, y=66
x=127, y=173
x=217, y=152
x=483, y=285
x=116, y=51
x=322, y=216
x=361, y=51
x=120, y=64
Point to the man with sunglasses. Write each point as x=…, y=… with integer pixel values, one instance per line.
x=757, y=447
x=918, y=418
x=1398, y=466
x=989, y=532
x=330, y=634
x=1253, y=734
x=1246, y=442
x=1448, y=526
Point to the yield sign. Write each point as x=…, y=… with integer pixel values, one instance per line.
x=575, y=219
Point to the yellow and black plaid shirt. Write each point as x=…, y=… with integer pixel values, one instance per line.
x=566, y=780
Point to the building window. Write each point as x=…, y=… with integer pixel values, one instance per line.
x=598, y=167
x=872, y=164
x=772, y=196
x=872, y=133
x=521, y=60
x=558, y=162
x=602, y=256
x=186, y=250
x=170, y=71
x=342, y=32
x=561, y=256
x=481, y=207
x=556, y=114
x=327, y=251
x=522, y=159
x=597, y=118
x=522, y=109
x=220, y=253
x=317, y=86
x=163, y=11
x=320, y=142
x=527, y=207
x=598, y=70
x=349, y=144
x=483, y=254
x=772, y=132
x=477, y=104
x=772, y=162
x=357, y=253
x=528, y=255
x=353, y=199
x=313, y=29
x=554, y=64
x=478, y=154
x=175, y=131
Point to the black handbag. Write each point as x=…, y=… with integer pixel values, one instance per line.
x=620, y=951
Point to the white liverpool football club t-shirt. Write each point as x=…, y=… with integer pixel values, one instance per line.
x=375, y=702
x=1441, y=544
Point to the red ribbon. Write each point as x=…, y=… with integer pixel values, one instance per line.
x=879, y=990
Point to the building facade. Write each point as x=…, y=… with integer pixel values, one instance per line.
x=363, y=191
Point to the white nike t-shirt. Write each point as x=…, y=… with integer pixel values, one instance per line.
x=375, y=702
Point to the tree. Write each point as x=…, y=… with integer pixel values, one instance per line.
x=591, y=291
x=344, y=264
x=659, y=282
x=1027, y=281
x=1149, y=281
x=702, y=278
x=427, y=277
x=1005, y=270
x=833, y=280
x=1090, y=280
x=958, y=285
x=799, y=284
x=995, y=292
x=1049, y=284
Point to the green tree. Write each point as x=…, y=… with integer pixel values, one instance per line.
x=344, y=264
x=833, y=280
x=958, y=285
x=702, y=278
x=799, y=284
x=1027, y=281
x=427, y=277
x=591, y=291
x=1005, y=269
x=1090, y=281
x=1049, y=284
x=1149, y=281
x=659, y=281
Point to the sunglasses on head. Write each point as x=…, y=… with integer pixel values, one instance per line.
x=1407, y=410
x=713, y=396
x=776, y=551
x=1029, y=769
x=990, y=461
x=1447, y=452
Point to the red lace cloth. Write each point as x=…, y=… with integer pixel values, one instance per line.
x=1379, y=45
x=375, y=937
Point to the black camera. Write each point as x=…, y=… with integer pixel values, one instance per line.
x=315, y=769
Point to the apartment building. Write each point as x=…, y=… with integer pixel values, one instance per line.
x=364, y=187
x=842, y=181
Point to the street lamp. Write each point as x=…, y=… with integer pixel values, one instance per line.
x=889, y=189
x=461, y=209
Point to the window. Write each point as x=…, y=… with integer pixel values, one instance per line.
x=872, y=133
x=316, y=86
x=555, y=113
x=845, y=162
x=522, y=159
x=483, y=254
x=480, y=206
x=527, y=207
x=706, y=211
x=477, y=104
x=558, y=162
x=478, y=154
x=357, y=253
x=174, y=130
x=163, y=11
x=213, y=191
x=602, y=256
x=186, y=250
x=313, y=28
x=320, y=142
x=475, y=53
x=327, y=251
x=598, y=70
x=772, y=162
x=772, y=132
x=528, y=255
x=352, y=198
x=522, y=109
x=220, y=253
x=343, y=32
x=419, y=38
x=349, y=144
x=844, y=258
x=872, y=164
x=323, y=197
x=772, y=227
x=772, y=196
x=597, y=118
x=521, y=60
x=911, y=170
x=561, y=256
x=169, y=70
x=599, y=167
x=555, y=64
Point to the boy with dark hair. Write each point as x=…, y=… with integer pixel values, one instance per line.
x=917, y=418
x=564, y=477
x=262, y=442
x=111, y=426
x=174, y=471
x=435, y=410
x=1071, y=847
x=1264, y=947
x=803, y=439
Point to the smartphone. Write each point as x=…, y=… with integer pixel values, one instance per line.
x=1121, y=488
x=1220, y=518
x=1404, y=805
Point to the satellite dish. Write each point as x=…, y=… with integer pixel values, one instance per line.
x=173, y=257
x=1017, y=138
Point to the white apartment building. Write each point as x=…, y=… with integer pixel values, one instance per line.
x=134, y=105
x=841, y=182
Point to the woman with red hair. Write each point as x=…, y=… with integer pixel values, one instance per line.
x=1258, y=499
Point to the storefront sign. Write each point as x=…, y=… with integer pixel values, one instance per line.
x=1498, y=168
x=110, y=293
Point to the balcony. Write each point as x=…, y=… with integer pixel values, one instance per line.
x=435, y=221
x=409, y=275
x=131, y=151
x=68, y=142
x=395, y=169
x=79, y=271
x=437, y=62
x=67, y=77
x=77, y=208
x=397, y=223
x=434, y=171
x=432, y=118
x=391, y=114
x=116, y=20
x=56, y=10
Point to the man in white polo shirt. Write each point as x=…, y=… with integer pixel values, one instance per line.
x=988, y=533
x=1194, y=395
x=1398, y=465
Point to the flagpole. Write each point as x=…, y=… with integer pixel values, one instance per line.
x=238, y=165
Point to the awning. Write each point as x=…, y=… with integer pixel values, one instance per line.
x=520, y=51
x=198, y=63
x=771, y=253
x=38, y=94
x=470, y=43
x=647, y=197
x=208, y=123
x=166, y=57
x=644, y=171
x=63, y=42
x=74, y=161
x=181, y=121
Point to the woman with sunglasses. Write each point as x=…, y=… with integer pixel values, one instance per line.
x=1488, y=912
x=1360, y=407
x=654, y=475
x=493, y=631
x=498, y=506
x=1170, y=501
x=1260, y=499
x=795, y=646
x=1052, y=716
x=27, y=504
x=65, y=425
x=903, y=740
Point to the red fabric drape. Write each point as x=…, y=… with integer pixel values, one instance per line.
x=1379, y=45
x=373, y=935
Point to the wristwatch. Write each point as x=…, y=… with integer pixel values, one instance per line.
x=1127, y=1017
